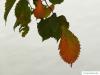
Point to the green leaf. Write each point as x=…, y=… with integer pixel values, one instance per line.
x=63, y=21
x=23, y=12
x=51, y=27
x=54, y=26
x=56, y=1
x=44, y=30
x=23, y=16
x=8, y=5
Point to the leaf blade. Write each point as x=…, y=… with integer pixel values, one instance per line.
x=69, y=47
x=8, y=5
x=23, y=16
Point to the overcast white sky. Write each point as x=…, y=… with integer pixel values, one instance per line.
x=30, y=56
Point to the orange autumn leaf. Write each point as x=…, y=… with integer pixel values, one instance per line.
x=69, y=47
x=39, y=11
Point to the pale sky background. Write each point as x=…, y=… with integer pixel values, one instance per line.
x=31, y=56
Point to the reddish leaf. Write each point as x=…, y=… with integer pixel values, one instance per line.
x=39, y=11
x=69, y=47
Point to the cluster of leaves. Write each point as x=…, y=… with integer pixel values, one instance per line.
x=49, y=26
